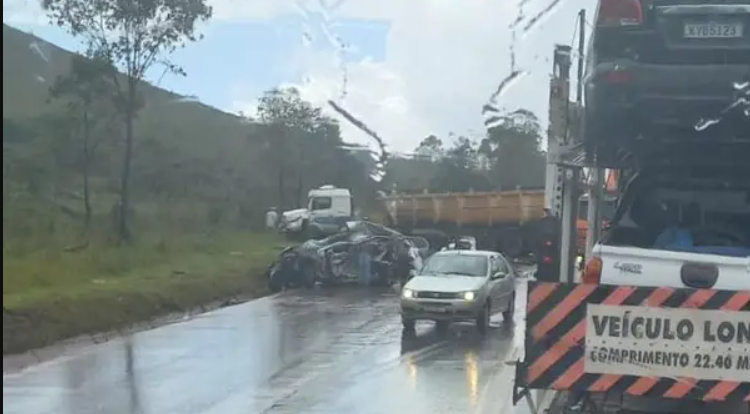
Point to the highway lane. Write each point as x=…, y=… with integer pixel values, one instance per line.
x=321, y=351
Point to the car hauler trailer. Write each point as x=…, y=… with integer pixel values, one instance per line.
x=639, y=332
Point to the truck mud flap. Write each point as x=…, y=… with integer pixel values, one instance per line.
x=641, y=341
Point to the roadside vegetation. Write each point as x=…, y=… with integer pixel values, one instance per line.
x=123, y=201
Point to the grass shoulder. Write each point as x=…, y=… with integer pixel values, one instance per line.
x=54, y=294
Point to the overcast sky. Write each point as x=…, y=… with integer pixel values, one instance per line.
x=413, y=67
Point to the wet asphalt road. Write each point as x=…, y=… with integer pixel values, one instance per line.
x=323, y=351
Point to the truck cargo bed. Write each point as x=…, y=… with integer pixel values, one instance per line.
x=466, y=209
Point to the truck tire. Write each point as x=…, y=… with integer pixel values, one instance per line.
x=483, y=319
x=311, y=232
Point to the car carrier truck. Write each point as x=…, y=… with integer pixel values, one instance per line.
x=677, y=250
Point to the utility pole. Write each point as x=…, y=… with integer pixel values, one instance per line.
x=581, y=53
x=572, y=178
x=559, y=98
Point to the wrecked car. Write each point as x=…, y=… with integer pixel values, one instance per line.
x=336, y=259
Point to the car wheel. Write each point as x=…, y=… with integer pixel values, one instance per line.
x=408, y=324
x=508, y=313
x=483, y=319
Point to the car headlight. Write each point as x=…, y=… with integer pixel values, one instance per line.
x=469, y=295
x=407, y=293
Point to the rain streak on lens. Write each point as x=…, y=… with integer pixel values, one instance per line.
x=741, y=103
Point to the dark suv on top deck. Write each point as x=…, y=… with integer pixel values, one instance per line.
x=663, y=65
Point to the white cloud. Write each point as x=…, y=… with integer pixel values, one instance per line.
x=444, y=59
x=374, y=94
x=260, y=10
x=23, y=12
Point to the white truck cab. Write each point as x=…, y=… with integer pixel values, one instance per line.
x=329, y=201
x=328, y=209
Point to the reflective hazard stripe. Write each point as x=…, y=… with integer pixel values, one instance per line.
x=556, y=331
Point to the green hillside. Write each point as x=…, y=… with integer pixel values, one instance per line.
x=200, y=187
x=193, y=126
x=197, y=151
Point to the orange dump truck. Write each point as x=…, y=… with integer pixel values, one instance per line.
x=500, y=220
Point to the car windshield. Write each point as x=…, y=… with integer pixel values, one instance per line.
x=456, y=264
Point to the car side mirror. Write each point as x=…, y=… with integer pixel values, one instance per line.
x=499, y=275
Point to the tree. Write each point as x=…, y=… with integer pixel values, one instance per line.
x=133, y=36
x=459, y=170
x=512, y=149
x=88, y=92
x=303, y=147
x=287, y=120
x=430, y=148
x=507, y=157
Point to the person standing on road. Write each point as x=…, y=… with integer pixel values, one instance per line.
x=272, y=218
x=365, y=263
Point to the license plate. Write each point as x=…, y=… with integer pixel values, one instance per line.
x=713, y=30
x=435, y=309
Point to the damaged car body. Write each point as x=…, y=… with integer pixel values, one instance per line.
x=392, y=257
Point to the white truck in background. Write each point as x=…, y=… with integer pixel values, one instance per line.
x=328, y=210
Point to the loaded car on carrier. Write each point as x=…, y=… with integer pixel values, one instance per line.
x=662, y=107
x=654, y=67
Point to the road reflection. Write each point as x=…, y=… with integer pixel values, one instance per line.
x=316, y=352
x=454, y=367
x=131, y=379
x=411, y=369
x=472, y=377
x=77, y=374
x=81, y=381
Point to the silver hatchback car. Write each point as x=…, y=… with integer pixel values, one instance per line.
x=460, y=286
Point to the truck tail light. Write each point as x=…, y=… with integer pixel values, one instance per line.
x=592, y=274
x=619, y=13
